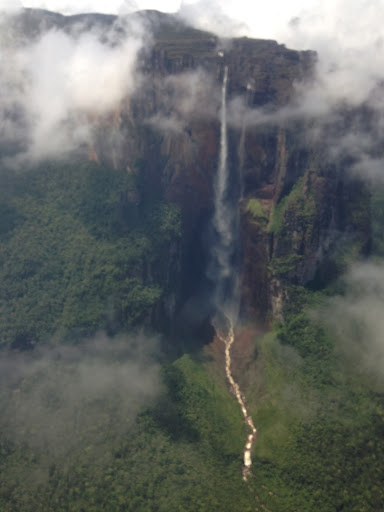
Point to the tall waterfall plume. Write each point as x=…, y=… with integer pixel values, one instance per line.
x=223, y=270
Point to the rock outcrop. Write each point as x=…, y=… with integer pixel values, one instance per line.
x=298, y=210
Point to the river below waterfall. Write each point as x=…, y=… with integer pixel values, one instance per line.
x=225, y=332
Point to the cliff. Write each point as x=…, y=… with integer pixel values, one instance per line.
x=299, y=212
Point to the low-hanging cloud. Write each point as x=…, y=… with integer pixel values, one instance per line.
x=61, y=78
x=183, y=98
x=349, y=41
x=211, y=16
x=356, y=320
x=62, y=397
x=52, y=89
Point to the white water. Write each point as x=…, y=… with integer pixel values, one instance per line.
x=226, y=296
x=222, y=219
x=228, y=339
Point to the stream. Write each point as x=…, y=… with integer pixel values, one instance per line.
x=227, y=336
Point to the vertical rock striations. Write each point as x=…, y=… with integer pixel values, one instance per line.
x=294, y=201
x=223, y=270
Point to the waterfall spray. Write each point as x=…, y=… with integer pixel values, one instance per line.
x=225, y=226
x=222, y=270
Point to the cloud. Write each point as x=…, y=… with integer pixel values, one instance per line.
x=57, y=397
x=212, y=17
x=356, y=320
x=9, y=5
x=349, y=41
x=183, y=98
x=52, y=89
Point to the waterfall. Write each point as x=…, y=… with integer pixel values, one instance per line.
x=241, y=149
x=225, y=225
x=223, y=272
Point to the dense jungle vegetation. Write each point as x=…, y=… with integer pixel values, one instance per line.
x=77, y=251
x=99, y=417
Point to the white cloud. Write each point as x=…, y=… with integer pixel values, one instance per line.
x=10, y=5
x=356, y=319
x=85, y=74
x=348, y=36
x=58, y=83
x=64, y=390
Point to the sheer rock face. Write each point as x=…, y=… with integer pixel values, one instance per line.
x=306, y=200
x=296, y=207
